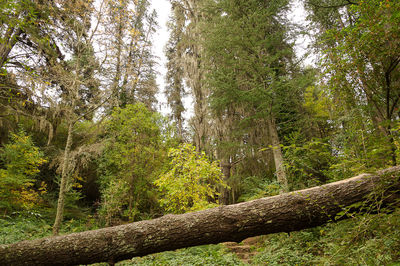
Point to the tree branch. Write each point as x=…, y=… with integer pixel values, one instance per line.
x=347, y=3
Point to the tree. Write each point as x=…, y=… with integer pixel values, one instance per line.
x=175, y=89
x=27, y=44
x=48, y=68
x=21, y=159
x=77, y=87
x=26, y=31
x=191, y=181
x=360, y=46
x=249, y=66
x=127, y=28
x=287, y=212
x=132, y=158
x=188, y=16
x=58, y=68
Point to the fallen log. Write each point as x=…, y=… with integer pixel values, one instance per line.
x=288, y=212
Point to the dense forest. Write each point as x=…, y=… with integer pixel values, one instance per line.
x=83, y=144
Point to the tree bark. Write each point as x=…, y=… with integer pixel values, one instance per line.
x=226, y=171
x=283, y=213
x=64, y=181
x=277, y=153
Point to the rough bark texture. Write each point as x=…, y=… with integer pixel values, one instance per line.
x=226, y=171
x=277, y=152
x=283, y=213
x=63, y=185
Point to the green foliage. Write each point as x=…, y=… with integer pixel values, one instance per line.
x=191, y=181
x=132, y=158
x=307, y=162
x=317, y=112
x=246, y=47
x=21, y=160
x=115, y=194
x=363, y=240
x=201, y=255
x=362, y=69
x=374, y=35
x=27, y=24
x=358, y=145
x=316, y=103
x=29, y=225
x=23, y=226
x=254, y=187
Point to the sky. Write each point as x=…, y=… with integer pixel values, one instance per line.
x=163, y=9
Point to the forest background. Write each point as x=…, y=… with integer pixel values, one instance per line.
x=83, y=147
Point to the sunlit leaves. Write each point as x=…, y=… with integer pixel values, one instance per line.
x=191, y=181
x=22, y=160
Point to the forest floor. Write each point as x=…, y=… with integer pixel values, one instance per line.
x=244, y=250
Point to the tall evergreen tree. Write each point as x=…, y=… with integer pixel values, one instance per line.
x=191, y=62
x=250, y=64
x=175, y=89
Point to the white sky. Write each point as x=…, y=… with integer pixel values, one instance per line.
x=298, y=15
x=163, y=9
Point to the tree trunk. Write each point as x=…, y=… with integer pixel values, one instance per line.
x=283, y=213
x=389, y=115
x=64, y=181
x=277, y=152
x=226, y=171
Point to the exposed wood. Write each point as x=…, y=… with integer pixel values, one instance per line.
x=283, y=213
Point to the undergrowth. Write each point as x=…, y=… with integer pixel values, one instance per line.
x=23, y=226
x=201, y=255
x=372, y=239
x=29, y=225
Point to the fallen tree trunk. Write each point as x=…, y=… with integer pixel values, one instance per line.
x=283, y=213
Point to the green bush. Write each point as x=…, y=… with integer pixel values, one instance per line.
x=132, y=159
x=191, y=181
x=21, y=160
x=254, y=187
x=201, y=255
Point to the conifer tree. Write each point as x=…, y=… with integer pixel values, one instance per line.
x=175, y=89
x=249, y=65
x=189, y=14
